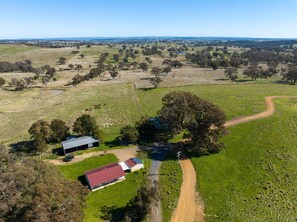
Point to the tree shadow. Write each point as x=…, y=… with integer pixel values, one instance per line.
x=113, y=214
x=114, y=143
x=83, y=180
x=283, y=82
x=221, y=79
x=244, y=80
x=23, y=146
x=58, y=151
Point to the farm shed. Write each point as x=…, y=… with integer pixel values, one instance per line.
x=134, y=164
x=100, y=177
x=79, y=143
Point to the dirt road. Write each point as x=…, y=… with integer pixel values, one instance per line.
x=189, y=207
x=121, y=154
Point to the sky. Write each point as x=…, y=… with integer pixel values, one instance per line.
x=127, y=18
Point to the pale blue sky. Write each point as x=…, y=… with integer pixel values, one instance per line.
x=123, y=18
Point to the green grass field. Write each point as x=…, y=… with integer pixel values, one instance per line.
x=254, y=178
x=117, y=195
x=170, y=180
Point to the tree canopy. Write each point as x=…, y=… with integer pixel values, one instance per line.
x=32, y=190
x=202, y=120
x=86, y=125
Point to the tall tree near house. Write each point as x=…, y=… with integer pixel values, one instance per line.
x=86, y=125
x=59, y=129
x=200, y=119
x=40, y=132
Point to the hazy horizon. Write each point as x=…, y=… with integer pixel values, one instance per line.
x=33, y=19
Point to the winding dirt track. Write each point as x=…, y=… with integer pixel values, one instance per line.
x=189, y=207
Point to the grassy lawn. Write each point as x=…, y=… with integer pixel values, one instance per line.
x=74, y=171
x=170, y=182
x=117, y=195
x=254, y=178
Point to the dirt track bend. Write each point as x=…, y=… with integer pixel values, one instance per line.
x=189, y=207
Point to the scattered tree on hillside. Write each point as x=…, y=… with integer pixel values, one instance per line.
x=86, y=125
x=78, y=67
x=70, y=66
x=77, y=79
x=290, y=74
x=82, y=55
x=156, y=71
x=155, y=81
x=62, y=60
x=176, y=64
x=32, y=190
x=113, y=73
x=231, y=74
x=17, y=84
x=116, y=57
x=202, y=120
x=143, y=66
x=253, y=72
x=45, y=80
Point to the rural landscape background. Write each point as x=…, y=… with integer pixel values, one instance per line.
x=212, y=118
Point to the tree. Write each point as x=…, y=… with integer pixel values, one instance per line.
x=62, y=60
x=139, y=207
x=82, y=55
x=290, y=74
x=86, y=126
x=17, y=84
x=78, y=67
x=214, y=65
x=113, y=73
x=2, y=81
x=77, y=79
x=155, y=81
x=32, y=190
x=176, y=64
x=70, y=66
x=146, y=129
x=167, y=62
x=167, y=70
x=253, y=72
x=143, y=66
x=116, y=57
x=45, y=80
x=129, y=134
x=59, y=129
x=156, y=71
x=200, y=119
x=41, y=133
x=231, y=74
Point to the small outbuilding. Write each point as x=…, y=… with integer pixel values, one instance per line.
x=101, y=177
x=134, y=164
x=79, y=143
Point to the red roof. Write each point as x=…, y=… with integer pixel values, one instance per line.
x=130, y=163
x=104, y=174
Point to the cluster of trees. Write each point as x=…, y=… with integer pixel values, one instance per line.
x=290, y=74
x=151, y=50
x=255, y=71
x=206, y=58
x=201, y=121
x=21, y=84
x=32, y=190
x=43, y=133
x=25, y=66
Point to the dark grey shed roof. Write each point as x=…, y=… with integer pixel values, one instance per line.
x=80, y=141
